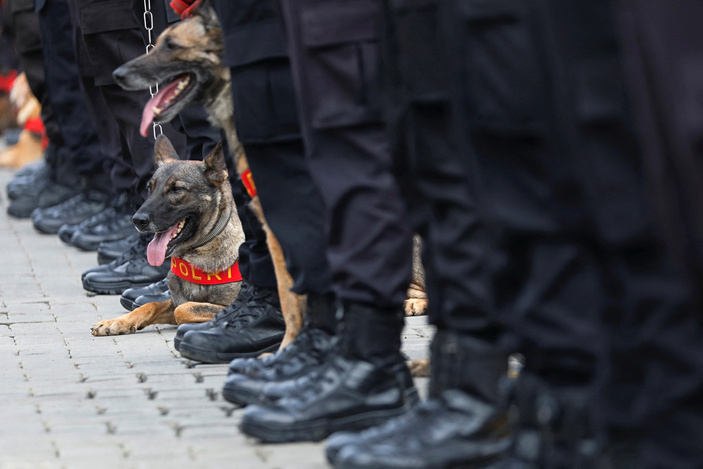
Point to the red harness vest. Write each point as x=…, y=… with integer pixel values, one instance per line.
x=193, y=274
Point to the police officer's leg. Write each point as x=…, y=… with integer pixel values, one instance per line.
x=334, y=52
x=266, y=120
x=76, y=124
x=548, y=275
x=653, y=380
x=467, y=366
x=24, y=24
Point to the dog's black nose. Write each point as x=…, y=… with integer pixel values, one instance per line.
x=119, y=74
x=141, y=221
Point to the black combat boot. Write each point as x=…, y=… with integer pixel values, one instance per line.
x=462, y=423
x=246, y=291
x=133, y=298
x=111, y=224
x=257, y=328
x=108, y=251
x=554, y=427
x=75, y=210
x=320, y=311
x=130, y=270
x=358, y=386
x=247, y=376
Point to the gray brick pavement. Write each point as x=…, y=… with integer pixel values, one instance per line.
x=69, y=400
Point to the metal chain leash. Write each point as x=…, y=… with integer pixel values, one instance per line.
x=149, y=26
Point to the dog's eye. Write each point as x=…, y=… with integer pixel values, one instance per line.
x=169, y=44
x=178, y=189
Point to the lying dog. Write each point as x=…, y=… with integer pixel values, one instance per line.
x=186, y=62
x=191, y=210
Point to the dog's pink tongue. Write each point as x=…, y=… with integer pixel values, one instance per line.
x=156, y=251
x=148, y=114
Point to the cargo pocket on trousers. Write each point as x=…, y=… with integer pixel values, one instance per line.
x=20, y=15
x=504, y=72
x=341, y=40
x=262, y=84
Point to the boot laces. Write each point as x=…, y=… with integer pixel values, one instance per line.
x=309, y=347
x=231, y=310
x=254, y=309
x=135, y=252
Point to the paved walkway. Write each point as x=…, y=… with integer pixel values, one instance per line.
x=69, y=400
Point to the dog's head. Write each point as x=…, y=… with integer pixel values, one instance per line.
x=186, y=199
x=186, y=63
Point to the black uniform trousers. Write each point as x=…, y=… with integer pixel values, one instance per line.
x=663, y=54
x=429, y=166
x=80, y=138
x=334, y=51
x=24, y=24
x=267, y=126
x=580, y=276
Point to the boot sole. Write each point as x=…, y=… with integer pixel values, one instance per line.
x=18, y=213
x=488, y=463
x=65, y=236
x=317, y=430
x=206, y=356
x=177, y=343
x=85, y=245
x=116, y=288
x=46, y=229
x=476, y=461
x=243, y=398
x=54, y=229
x=127, y=303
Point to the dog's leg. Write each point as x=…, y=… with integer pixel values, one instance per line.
x=192, y=312
x=416, y=304
x=160, y=312
x=419, y=368
x=292, y=304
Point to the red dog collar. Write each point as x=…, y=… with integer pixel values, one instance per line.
x=193, y=274
x=248, y=181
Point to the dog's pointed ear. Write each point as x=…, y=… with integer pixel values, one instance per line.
x=215, y=166
x=164, y=151
x=207, y=14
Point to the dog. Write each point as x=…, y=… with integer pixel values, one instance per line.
x=186, y=62
x=192, y=213
x=17, y=109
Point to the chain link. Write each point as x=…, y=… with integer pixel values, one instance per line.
x=149, y=26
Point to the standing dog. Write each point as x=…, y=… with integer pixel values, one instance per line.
x=186, y=62
x=191, y=211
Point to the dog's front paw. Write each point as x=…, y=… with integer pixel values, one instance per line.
x=113, y=327
x=415, y=306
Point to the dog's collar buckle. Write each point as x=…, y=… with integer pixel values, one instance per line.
x=193, y=274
